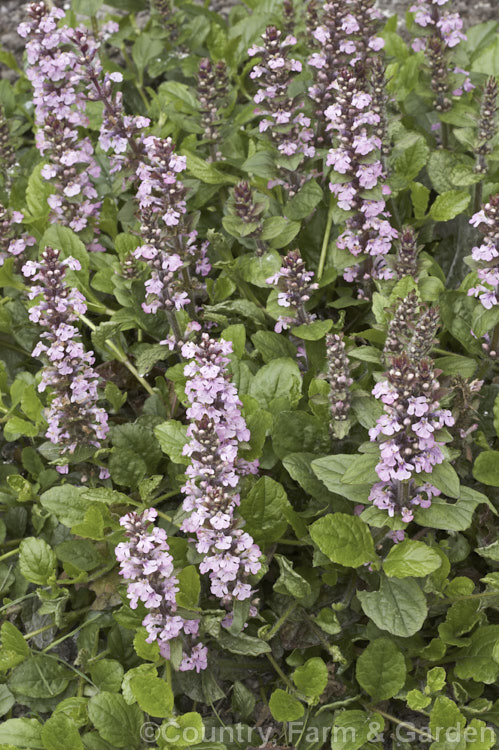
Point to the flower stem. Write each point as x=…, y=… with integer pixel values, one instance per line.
x=325, y=241
x=477, y=202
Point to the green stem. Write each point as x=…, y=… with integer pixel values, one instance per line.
x=166, y=496
x=445, y=135
x=9, y=554
x=37, y=632
x=168, y=673
x=277, y=625
x=441, y=351
x=293, y=542
x=11, y=542
x=281, y=674
x=394, y=720
x=121, y=357
x=22, y=599
x=305, y=722
x=68, y=635
x=478, y=197
x=140, y=89
x=325, y=241
x=68, y=665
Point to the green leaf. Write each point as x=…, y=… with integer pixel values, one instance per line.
x=37, y=192
x=398, y=607
x=285, y=707
x=12, y=640
x=257, y=269
x=311, y=678
x=451, y=516
x=206, y=172
x=362, y=469
x=127, y=468
x=263, y=510
x=183, y=731
x=449, y=205
x=299, y=467
x=304, y=202
x=455, y=364
x=107, y=675
x=313, y=331
x=258, y=423
x=115, y=397
x=39, y=677
x=243, y=644
x=289, y=581
x=491, y=552
x=273, y=227
x=145, y=49
x=412, y=160
x=115, y=721
x=236, y=334
x=22, y=733
x=60, y=733
x=487, y=61
x=445, y=478
x=344, y=539
x=416, y=700
x=37, y=560
x=65, y=240
x=189, y=587
x=411, y=558
x=153, y=695
x=288, y=232
x=91, y=527
x=243, y=701
x=476, y=662
x=439, y=167
x=147, y=651
x=445, y=715
x=276, y=384
x=352, y=730
x=7, y=700
x=261, y=164
x=420, y=196
x=272, y=345
x=15, y=427
x=296, y=430
x=172, y=437
x=435, y=679
x=486, y=468
x=380, y=669
x=79, y=552
x=367, y=354
x=331, y=470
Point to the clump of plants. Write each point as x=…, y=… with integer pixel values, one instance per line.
x=249, y=377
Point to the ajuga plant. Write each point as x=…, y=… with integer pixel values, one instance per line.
x=249, y=393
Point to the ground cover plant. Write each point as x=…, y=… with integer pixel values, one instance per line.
x=249, y=380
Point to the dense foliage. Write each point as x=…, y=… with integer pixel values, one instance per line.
x=250, y=404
